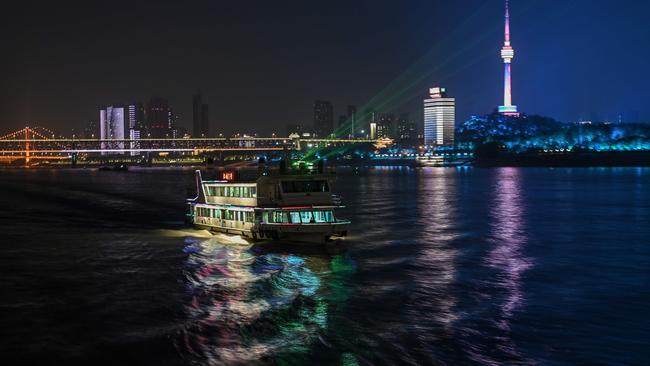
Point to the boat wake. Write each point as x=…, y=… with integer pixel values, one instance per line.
x=244, y=306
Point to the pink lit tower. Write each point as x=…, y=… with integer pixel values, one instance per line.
x=507, y=54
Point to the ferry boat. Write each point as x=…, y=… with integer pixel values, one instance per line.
x=271, y=205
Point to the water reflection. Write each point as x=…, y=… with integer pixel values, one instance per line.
x=508, y=239
x=245, y=305
x=436, y=259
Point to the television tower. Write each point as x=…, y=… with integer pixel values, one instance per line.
x=507, y=54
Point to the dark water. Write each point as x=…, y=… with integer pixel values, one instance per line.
x=443, y=266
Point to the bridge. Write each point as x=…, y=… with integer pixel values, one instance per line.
x=39, y=143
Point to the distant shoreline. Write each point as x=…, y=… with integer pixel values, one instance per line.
x=501, y=159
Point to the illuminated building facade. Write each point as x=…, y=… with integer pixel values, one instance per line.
x=439, y=118
x=373, y=130
x=507, y=54
x=112, y=126
x=136, y=116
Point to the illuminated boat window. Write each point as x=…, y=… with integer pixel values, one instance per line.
x=323, y=216
x=232, y=191
x=305, y=216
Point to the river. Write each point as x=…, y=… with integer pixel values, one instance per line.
x=442, y=266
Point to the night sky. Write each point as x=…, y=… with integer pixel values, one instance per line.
x=261, y=64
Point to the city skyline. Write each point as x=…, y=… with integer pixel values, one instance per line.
x=456, y=53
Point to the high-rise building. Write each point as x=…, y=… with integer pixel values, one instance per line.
x=112, y=126
x=200, y=117
x=439, y=118
x=136, y=125
x=173, y=123
x=136, y=116
x=134, y=136
x=323, y=118
x=406, y=129
x=160, y=118
x=507, y=54
x=385, y=125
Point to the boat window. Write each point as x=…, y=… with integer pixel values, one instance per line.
x=250, y=216
x=203, y=212
x=319, y=216
x=232, y=191
x=280, y=217
x=323, y=216
x=305, y=186
x=306, y=217
x=329, y=216
x=295, y=217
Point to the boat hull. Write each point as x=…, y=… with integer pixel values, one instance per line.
x=304, y=233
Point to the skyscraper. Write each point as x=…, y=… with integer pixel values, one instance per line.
x=385, y=125
x=112, y=125
x=323, y=118
x=406, y=129
x=160, y=118
x=200, y=117
x=507, y=54
x=136, y=124
x=136, y=116
x=439, y=118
